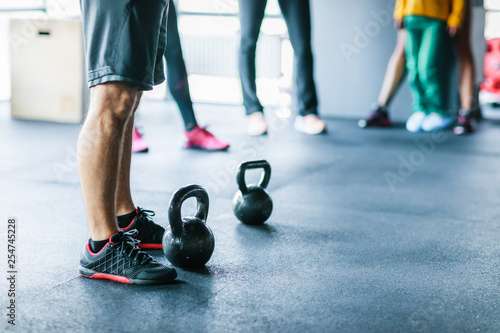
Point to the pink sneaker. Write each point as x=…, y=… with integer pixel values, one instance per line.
x=200, y=138
x=138, y=143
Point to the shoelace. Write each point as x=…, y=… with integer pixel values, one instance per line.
x=129, y=246
x=145, y=214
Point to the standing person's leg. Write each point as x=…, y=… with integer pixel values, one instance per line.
x=177, y=80
x=251, y=16
x=395, y=72
x=123, y=197
x=127, y=215
x=466, y=121
x=433, y=74
x=297, y=15
x=394, y=75
x=466, y=61
x=99, y=144
x=104, y=143
x=412, y=49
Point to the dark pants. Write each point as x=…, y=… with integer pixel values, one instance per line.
x=298, y=21
x=177, y=79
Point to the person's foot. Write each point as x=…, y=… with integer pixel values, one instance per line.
x=256, y=124
x=138, y=143
x=150, y=233
x=310, y=124
x=414, y=123
x=378, y=118
x=435, y=122
x=121, y=260
x=200, y=138
x=466, y=122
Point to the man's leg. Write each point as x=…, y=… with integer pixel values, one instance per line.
x=128, y=215
x=123, y=197
x=129, y=34
x=99, y=143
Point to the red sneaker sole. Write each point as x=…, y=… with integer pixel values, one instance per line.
x=103, y=276
x=151, y=246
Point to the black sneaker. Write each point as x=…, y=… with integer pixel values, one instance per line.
x=150, y=233
x=378, y=118
x=121, y=260
x=466, y=122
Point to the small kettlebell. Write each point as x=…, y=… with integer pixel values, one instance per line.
x=189, y=241
x=252, y=204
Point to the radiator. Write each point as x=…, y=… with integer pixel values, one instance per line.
x=218, y=55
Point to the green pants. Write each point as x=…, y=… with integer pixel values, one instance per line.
x=425, y=46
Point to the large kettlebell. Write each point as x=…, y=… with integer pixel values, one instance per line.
x=252, y=204
x=188, y=242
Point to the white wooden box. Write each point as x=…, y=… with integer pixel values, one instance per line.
x=47, y=70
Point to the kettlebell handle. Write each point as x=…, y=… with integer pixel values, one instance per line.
x=264, y=179
x=178, y=198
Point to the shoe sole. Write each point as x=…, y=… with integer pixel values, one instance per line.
x=436, y=129
x=460, y=130
x=190, y=146
x=364, y=124
x=88, y=273
x=141, y=151
x=302, y=129
x=151, y=246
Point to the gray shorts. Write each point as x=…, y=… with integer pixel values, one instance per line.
x=125, y=41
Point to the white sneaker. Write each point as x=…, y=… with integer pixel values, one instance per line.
x=310, y=124
x=435, y=122
x=256, y=124
x=414, y=123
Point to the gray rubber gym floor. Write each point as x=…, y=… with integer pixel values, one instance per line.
x=372, y=230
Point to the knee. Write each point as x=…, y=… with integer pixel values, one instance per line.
x=113, y=104
x=248, y=46
x=428, y=74
x=303, y=55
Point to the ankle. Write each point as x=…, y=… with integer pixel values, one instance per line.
x=190, y=127
x=124, y=220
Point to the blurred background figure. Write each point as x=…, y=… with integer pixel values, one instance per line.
x=177, y=81
x=298, y=21
x=396, y=70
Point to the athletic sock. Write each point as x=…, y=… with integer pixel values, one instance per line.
x=97, y=246
x=126, y=219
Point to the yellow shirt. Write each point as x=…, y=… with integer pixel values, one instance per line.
x=451, y=11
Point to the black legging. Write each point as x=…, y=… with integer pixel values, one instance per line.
x=298, y=21
x=176, y=71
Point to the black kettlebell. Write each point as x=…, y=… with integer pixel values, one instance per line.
x=188, y=241
x=252, y=204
